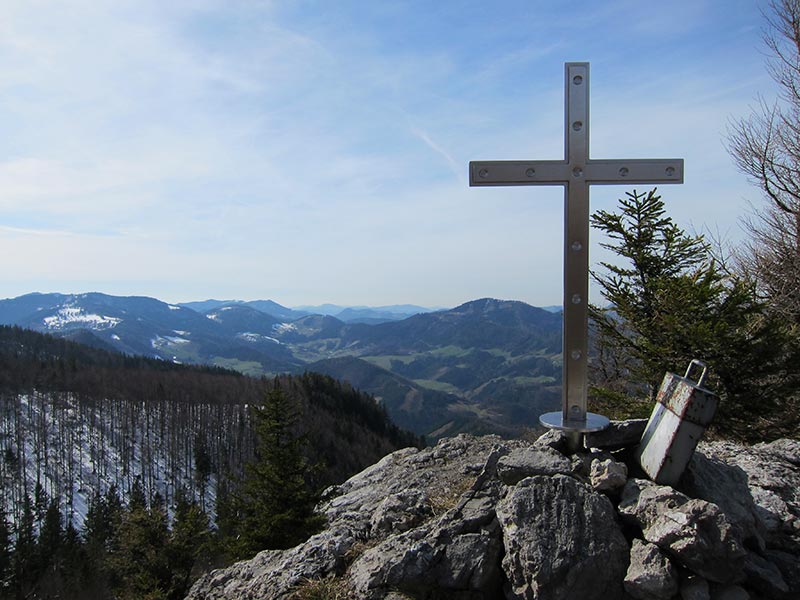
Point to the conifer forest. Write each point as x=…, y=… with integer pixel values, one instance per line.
x=125, y=476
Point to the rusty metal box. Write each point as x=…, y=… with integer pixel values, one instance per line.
x=682, y=412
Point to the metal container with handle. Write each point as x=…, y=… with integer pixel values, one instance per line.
x=683, y=410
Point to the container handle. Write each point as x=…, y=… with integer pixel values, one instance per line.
x=703, y=374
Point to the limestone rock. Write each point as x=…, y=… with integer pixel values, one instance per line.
x=758, y=487
x=786, y=450
x=561, y=540
x=789, y=566
x=555, y=439
x=715, y=479
x=694, y=532
x=273, y=572
x=642, y=501
x=400, y=512
x=608, y=475
x=700, y=537
x=527, y=462
x=619, y=434
x=457, y=556
x=650, y=575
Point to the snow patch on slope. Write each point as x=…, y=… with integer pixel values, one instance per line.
x=248, y=336
x=70, y=315
x=284, y=327
x=167, y=340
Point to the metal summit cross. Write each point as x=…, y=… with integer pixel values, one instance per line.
x=576, y=172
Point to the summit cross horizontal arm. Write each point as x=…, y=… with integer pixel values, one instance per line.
x=575, y=173
x=554, y=172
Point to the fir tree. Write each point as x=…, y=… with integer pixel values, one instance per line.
x=139, y=564
x=275, y=504
x=51, y=535
x=137, y=499
x=101, y=540
x=670, y=302
x=60, y=556
x=72, y=560
x=225, y=515
x=188, y=544
x=24, y=556
x=103, y=518
x=41, y=501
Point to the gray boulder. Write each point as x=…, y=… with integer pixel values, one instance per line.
x=713, y=477
x=787, y=450
x=555, y=439
x=650, y=575
x=385, y=500
x=527, y=462
x=758, y=487
x=457, y=556
x=642, y=501
x=619, y=434
x=608, y=475
x=694, y=532
x=561, y=540
x=400, y=512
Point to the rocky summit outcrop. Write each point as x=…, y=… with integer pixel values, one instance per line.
x=486, y=518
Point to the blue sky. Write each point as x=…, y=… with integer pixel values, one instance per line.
x=317, y=151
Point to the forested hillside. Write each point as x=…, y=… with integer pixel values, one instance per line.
x=114, y=468
x=77, y=420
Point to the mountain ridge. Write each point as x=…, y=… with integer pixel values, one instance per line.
x=497, y=361
x=348, y=314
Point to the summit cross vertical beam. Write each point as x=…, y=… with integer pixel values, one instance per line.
x=575, y=173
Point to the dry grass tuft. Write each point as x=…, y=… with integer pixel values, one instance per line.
x=329, y=588
x=447, y=497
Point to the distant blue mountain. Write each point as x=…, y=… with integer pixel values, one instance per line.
x=487, y=365
x=553, y=309
x=372, y=315
x=265, y=306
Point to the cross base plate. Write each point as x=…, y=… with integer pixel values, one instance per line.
x=593, y=422
x=574, y=430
